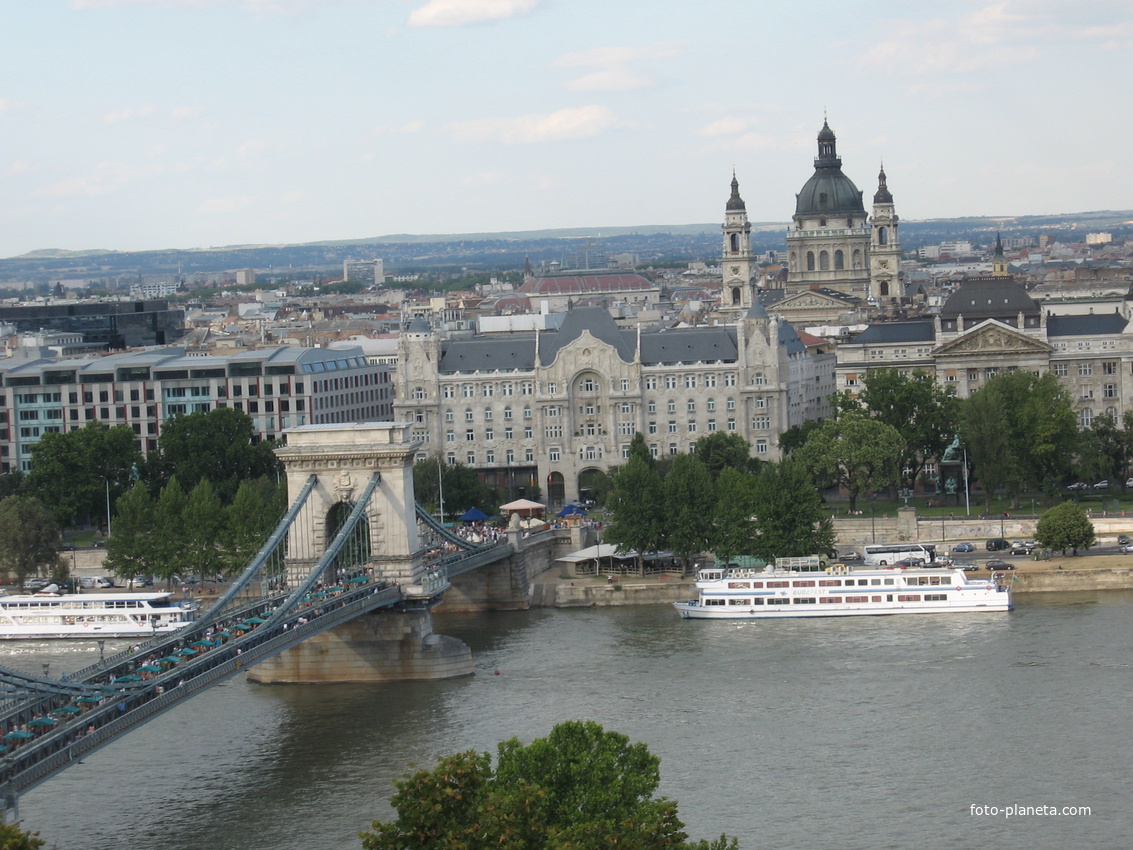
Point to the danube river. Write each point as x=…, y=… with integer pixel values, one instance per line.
x=865, y=732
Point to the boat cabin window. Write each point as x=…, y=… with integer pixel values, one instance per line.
x=830, y=582
x=739, y=601
x=875, y=581
x=804, y=600
x=936, y=597
x=830, y=599
x=778, y=584
x=803, y=584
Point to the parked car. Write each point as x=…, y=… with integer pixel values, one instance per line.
x=1102, y=485
x=1127, y=549
x=1020, y=547
x=997, y=544
x=968, y=566
x=850, y=556
x=36, y=583
x=997, y=564
x=1078, y=485
x=1129, y=482
x=964, y=547
x=1124, y=539
x=140, y=581
x=909, y=563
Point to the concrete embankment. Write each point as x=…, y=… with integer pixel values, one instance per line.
x=586, y=593
x=1067, y=581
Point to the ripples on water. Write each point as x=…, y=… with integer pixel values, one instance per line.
x=870, y=732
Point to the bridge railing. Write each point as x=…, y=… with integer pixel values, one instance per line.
x=35, y=762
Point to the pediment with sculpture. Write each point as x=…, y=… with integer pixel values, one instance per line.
x=993, y=338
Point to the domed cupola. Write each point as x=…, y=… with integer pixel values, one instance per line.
x=882, y=195
x=735, y=203
x=828, y=192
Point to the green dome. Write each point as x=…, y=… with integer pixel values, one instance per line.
x=828, y=192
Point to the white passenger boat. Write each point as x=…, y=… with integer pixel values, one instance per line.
x=91, y=615
x=735, y=593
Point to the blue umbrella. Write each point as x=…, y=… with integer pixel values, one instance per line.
x=18, y=735
x=473, y=515
x=572, y=510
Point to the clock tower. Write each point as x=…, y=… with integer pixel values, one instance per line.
x=884, y=247
x=738, y=263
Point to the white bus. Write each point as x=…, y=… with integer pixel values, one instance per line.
x=887, y=554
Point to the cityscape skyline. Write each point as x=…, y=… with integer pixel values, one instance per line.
x=292, y=121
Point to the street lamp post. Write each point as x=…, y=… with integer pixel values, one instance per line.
x=107, y=507
x=46, y=669
x=101, y=653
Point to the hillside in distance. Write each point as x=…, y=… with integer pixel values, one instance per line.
x=403, y=253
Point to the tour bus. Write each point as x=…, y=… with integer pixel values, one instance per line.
x=887, y=554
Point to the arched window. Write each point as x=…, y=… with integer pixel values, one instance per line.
x=883, y=236
x=883, y=288
x=839, y=259
x=823, y=261
x=810, y=261
x=857, y=259
x=735, y=295
x=734, y=239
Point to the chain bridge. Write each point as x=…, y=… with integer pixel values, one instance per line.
x=340, y=591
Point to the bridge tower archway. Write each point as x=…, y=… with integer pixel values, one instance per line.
x=343, y=459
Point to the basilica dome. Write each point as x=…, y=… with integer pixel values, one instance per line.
x=828, y=192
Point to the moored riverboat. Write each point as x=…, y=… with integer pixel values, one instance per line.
x=91, y=615
x=735, y=593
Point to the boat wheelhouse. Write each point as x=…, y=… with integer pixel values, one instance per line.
x=91, y=615
x=735, y=593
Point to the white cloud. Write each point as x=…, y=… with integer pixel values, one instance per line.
x=5, y=105
x=727, y=126
x=612, y=73
x=611, y=79
x=19, y=166
x=284, y=6
x=232, y=203
x=117, y=116
x=182, y=113
x=555, y=126
x=107, y=178
x=460, y=13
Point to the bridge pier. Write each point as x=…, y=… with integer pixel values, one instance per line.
x=384, y=646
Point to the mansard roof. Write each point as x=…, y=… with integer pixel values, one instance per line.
x=989, y=298
x=688, y=345
x=597, y=321
x=516, y=351
x=1090, y=325
x=885, y=333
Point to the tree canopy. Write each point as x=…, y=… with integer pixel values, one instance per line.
x=790, y=518
x=722, y=450
x=855, y=452
x=580, y=788
x=29, y=538
x=461, y=486
x=1065, y=526
x=638, y=507
x=218, y=445
x=81, y=473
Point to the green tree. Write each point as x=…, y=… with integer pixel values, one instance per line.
x=1065, y=526
x=14, y=838
x=12, y=484
x=1105, y=448
x=28, y=539
x=580, y=788
x=689, y=503
x=202, y=524
x=215, y=444
x=721, y=450
x=924, y=413
x=732, y=528
x=249, y=520
x=639, y=449
x=983, y=429
x=169, y=532
x=81, y=473
x=796, y=436
x=638, y=510
x=791, y=519
x=130, y=551
x=854, y=452
x=462, y=487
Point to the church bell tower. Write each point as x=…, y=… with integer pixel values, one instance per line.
x=738, y=262
x=884, y=247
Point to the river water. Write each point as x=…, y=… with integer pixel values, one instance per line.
x=863, y=732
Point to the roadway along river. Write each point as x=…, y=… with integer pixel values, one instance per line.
x=865, y=732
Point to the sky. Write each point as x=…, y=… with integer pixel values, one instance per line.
x=150, y=124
